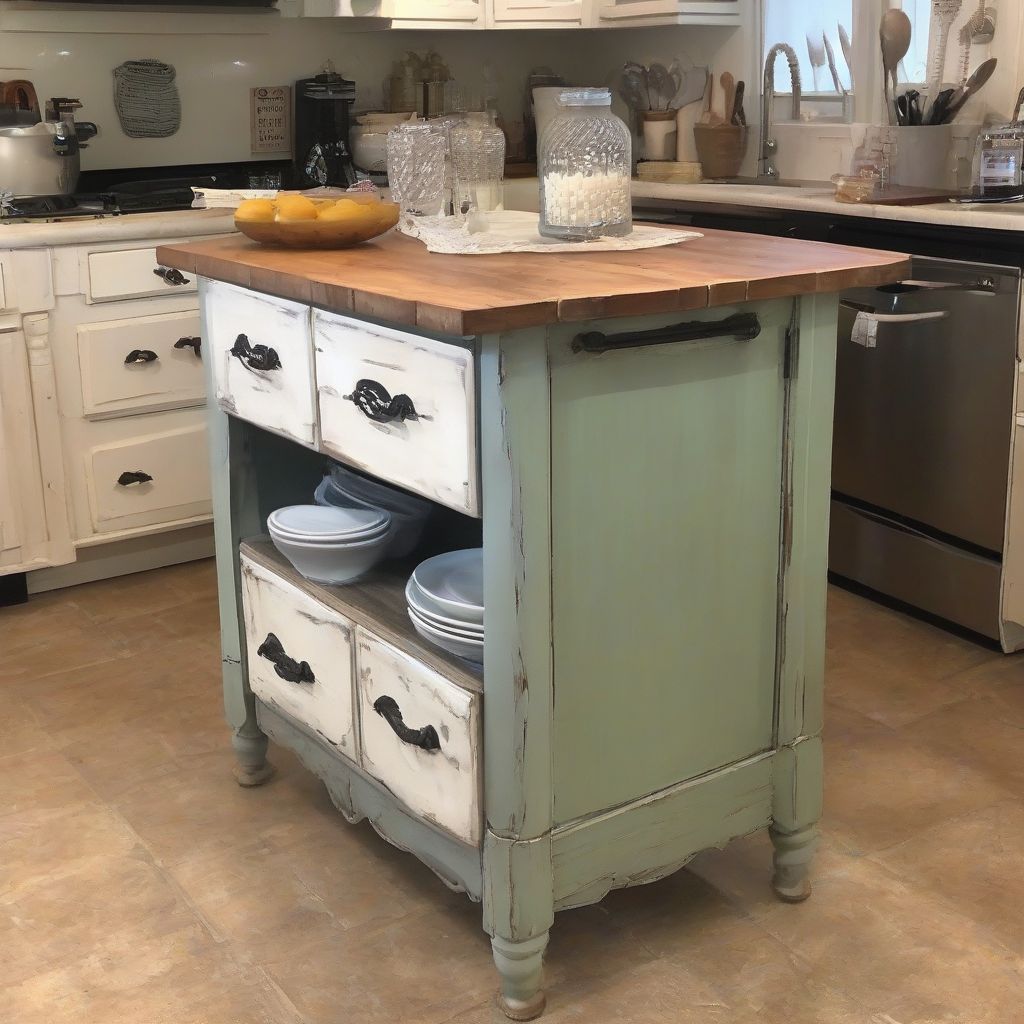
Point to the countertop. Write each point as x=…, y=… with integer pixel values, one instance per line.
x=124, y=227
x=395, y=278
x=1000, y=217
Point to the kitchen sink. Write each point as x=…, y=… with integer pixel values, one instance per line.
x=772, y=182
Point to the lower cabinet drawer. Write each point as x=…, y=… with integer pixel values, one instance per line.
x=299, y=656
x=147, y=480
x=146, y=363
x=420, y=737
x=132, y=273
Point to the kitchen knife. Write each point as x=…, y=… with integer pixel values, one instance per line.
x=738, y=115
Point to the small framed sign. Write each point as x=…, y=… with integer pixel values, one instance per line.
x=270, y=118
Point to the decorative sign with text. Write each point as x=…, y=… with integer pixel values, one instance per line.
x=270, y=119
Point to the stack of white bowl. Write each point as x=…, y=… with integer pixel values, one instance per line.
x=346, y=489
x=446, y=602
x=330, y=545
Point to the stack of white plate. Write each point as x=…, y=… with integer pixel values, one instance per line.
x=330, y=545
x=347, y=489
x=446, y=602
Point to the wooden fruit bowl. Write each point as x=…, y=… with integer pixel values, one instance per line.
x=317, y=234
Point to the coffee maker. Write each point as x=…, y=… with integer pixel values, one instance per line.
x=322, y=152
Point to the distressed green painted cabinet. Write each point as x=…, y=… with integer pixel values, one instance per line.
x=654, y=517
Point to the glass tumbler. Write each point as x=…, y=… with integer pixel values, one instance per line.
x=584, y=167
x=478, y=164
x=416, y=168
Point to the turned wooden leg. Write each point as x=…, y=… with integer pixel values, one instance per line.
x=521, y=966
x=251, y=750
x=793, y=854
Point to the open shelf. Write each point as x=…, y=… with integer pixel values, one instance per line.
x=375, y=601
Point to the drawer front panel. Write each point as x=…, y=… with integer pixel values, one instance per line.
x=159, y=376
x=176, y=463
x=305, y=668
x=132, y=273
x=432, y=452
x=262, y=359
x=440, y=785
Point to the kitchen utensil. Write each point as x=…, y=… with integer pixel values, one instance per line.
x=659, y=132
x=38, y=159
x=816, y=53
x=471, y=650
x=478, y=163
x=833, y=70
x=314, y=524
x=902, y=110
x=454, y=632
x=635, y=80
x=427, y=610
x=360, y=226
x=416, y=168
x=847, y=45
x=406, y=527
x=632, y=94
x=729, y=89
x=661, y=86
x=983, y=24
x=940, y=108
x=894, y=36
x=375, y=492
x=694, y=87
x=454, y=582
x=739, y=116
x=914, y=107
x=943, y=14
x=20, y=94
x=1017, y=107
x=721, y=148
x=710, y=116
x=332, y=563
x=974, y=84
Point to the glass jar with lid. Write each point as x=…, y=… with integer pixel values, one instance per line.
x=584, y=165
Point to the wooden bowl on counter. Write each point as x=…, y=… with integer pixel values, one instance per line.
x=337, y=224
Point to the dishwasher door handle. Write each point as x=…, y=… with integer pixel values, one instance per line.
x=987, y=285
x=895, y=318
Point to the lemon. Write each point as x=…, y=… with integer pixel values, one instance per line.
x=295, y=208
x=342, y=210
x=257, y=210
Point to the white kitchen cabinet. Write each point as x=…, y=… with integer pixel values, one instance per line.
x=537, y=13
x=426, y=14
x=612, y=13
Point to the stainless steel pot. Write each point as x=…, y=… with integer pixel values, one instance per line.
x=39, y=159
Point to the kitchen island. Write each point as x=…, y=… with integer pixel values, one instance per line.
x=641, y=443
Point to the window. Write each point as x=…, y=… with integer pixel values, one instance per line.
x=798, y=21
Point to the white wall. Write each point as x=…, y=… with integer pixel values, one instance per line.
x=219, y=57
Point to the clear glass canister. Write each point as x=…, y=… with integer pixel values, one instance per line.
x=478, y=162
x=584, y=164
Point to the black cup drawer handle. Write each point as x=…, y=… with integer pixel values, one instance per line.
x=171, y=276
x=256, y=357
x=374, y=401
x=196, y=344
x=425, y=738
x=136, y=477
x=290, y=670
x=140, y=355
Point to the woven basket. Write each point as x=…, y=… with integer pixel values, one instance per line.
x=146, y=99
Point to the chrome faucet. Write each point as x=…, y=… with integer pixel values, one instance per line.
x=769, y=146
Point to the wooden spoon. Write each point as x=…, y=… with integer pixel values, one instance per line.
x=974, y=84
x=894, y=35
x=728, y=84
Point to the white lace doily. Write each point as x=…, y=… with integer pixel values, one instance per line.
x=514, y=231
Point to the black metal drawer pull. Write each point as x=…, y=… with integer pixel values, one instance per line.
x=425, y=738
x=140, y=355
x=136, y=477
x=256, y=357
x=741, y=326
x=374, y=401
x=196, y=344
x=290, y=670
x=171, y=275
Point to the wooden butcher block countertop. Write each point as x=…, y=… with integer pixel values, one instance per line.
x=395, y=278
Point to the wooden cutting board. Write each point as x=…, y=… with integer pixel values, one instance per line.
x=911, y=195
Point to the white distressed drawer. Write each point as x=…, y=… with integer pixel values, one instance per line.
x=179, y=486
x=432, y=452
x=299, y=656
x=160, y=375
x=440, y=785
x=130, y=274
x=247, y=331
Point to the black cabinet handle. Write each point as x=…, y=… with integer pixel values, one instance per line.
x=256, y=357
x=425, y=738
x=196, y=344
x=171, y=275
x=290, y=670
x=373, y=400
x=140, y=355
x=741, y=326
x=136, y=477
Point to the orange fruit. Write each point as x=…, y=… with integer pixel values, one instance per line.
x=256, y=210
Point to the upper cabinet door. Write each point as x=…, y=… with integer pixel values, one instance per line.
x=537, y=13
x=669, y=12
x=434, y=13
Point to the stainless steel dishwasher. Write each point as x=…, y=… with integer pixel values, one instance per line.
x=923, y=427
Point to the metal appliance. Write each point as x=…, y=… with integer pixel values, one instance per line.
x=41, y=157
x=323, y=155
x=928, y=454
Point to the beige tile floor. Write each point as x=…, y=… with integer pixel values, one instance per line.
x=140, y=885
